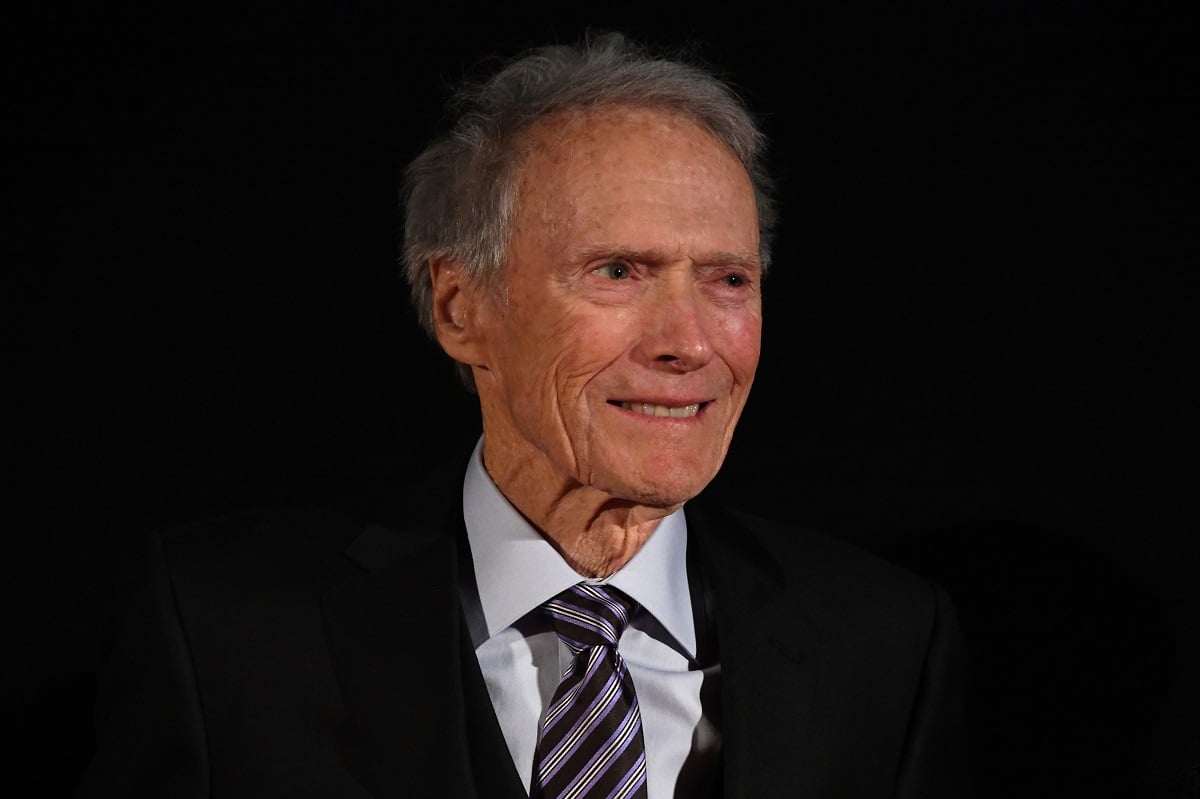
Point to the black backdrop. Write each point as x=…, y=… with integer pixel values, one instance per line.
x=976, y=358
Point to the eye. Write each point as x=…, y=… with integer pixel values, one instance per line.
x=736, y=280
x=614, y=270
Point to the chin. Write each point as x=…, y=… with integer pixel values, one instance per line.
x=657, y=492
x=661, y=477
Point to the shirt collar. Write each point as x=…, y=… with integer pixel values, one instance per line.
x=516, y=569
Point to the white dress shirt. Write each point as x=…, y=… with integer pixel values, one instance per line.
x=522, y=659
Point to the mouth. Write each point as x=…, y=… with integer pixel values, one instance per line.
x=653, y=409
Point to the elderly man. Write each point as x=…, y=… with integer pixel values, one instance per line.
x=559, y=618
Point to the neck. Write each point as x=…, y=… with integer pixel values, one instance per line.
x=594, y=532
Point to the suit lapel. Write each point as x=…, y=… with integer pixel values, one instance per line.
x=769, y=652
x=394, y=641
x=419, y=720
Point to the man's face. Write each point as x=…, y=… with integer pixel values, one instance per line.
x=623, y=346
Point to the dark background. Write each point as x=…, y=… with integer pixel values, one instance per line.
x=976, y=359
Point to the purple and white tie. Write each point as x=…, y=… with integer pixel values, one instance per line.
x=590, y=745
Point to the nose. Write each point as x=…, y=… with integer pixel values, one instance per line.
x=677, y=328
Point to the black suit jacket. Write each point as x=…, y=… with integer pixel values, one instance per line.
x=305, y=653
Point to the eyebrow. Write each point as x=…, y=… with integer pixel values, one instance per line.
x=750, y=262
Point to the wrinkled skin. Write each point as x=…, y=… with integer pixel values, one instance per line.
x=633, y=277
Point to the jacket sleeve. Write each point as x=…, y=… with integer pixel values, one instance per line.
x=936, y=760
x=149, y=737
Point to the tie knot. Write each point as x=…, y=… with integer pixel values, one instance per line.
x=588, y=615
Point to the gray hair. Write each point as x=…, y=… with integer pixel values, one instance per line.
x=460, y=193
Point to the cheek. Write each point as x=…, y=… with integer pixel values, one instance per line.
x=589, y=341
x=741, y=345
x=549, y=374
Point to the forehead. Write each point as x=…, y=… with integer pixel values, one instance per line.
x=578, y=143
x=639, y=170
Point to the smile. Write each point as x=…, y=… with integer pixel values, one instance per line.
x=649, y=409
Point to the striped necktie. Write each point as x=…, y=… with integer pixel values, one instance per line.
x=590, y=745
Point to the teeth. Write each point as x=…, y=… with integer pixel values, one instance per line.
x=681, y=412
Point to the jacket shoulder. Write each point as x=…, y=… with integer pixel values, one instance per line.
x=849, y=580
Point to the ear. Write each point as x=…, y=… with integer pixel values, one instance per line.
x=456, y=317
